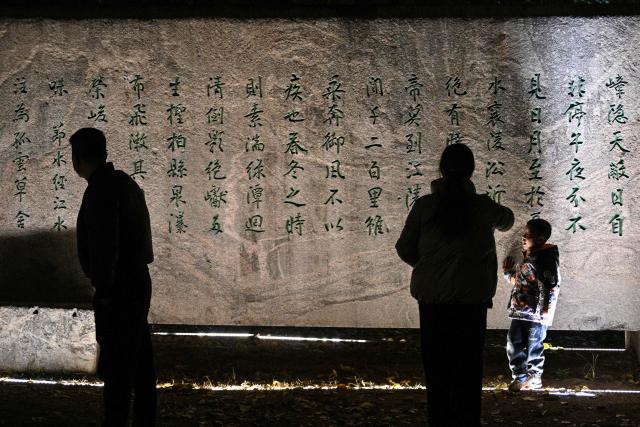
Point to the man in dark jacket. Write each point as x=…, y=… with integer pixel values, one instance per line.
x=114, y=248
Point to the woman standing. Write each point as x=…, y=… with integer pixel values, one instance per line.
x=448, y=240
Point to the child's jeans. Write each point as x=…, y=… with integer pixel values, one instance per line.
x=525, y=347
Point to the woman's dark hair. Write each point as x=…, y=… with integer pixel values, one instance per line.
x=452, y=215
x=457, y=162
x=540, y=228
x=89, y=144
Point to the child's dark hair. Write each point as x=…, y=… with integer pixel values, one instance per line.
x=540, y=228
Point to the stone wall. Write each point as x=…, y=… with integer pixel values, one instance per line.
x=45, y=339
x=325, y=257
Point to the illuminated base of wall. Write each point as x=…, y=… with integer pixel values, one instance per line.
x=47, y=340
x=63, y=340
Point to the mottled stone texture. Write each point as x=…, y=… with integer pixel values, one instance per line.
x=45, y=339
x=337, y=277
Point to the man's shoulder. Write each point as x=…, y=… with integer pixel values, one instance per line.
x=121, y=175
x=115, y=184
x=124, y=181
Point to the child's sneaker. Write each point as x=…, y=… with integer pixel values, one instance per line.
x=533, y=382
x=518, y=382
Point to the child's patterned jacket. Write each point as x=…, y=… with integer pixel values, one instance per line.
x=536, y=284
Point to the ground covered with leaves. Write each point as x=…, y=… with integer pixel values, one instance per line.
x=256, y=381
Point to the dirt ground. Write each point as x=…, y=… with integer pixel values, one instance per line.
x=195, y=375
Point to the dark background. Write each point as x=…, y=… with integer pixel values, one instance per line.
x=296, y=9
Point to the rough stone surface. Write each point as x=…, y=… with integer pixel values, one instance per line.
x=44, y=339
x=327, y=278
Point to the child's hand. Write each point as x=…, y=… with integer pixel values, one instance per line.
x=508, y=264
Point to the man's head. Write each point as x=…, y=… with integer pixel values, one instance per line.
x=536, y=234
x=89, y=150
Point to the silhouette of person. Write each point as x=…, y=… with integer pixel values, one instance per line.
x=114, y=248
x=448, y=240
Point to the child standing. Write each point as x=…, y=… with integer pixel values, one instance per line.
x=532, y=304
